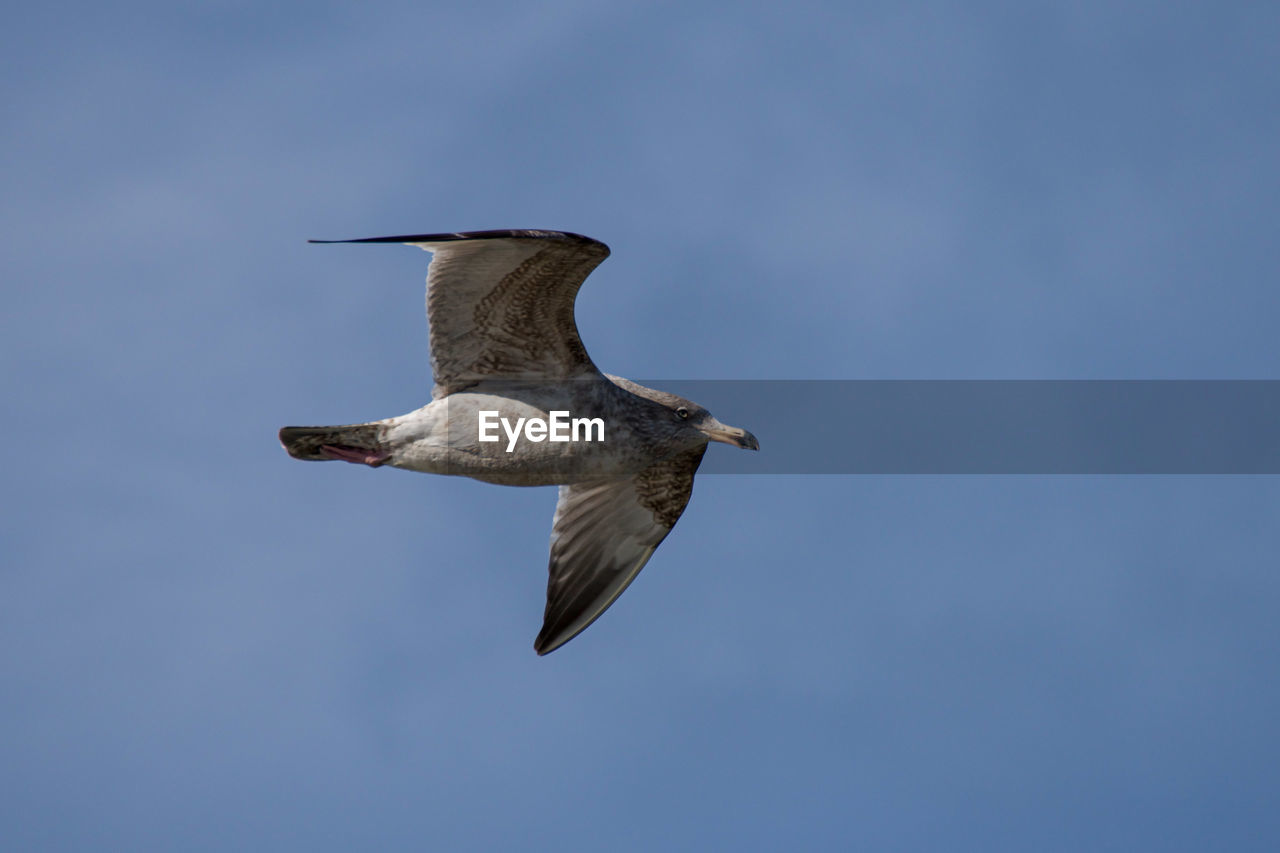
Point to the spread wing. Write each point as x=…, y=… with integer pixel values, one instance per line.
x=500, y=304
x=604, y=533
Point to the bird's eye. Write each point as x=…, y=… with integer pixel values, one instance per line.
x=682, y=413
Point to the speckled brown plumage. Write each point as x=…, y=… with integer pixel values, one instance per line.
x=664, y=488
x=523, y=326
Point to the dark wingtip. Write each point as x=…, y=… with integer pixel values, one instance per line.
x=528, y=234
x=546, y=642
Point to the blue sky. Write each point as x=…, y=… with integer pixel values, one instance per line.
x=205, y=645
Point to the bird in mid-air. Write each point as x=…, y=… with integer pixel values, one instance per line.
x=517, y=401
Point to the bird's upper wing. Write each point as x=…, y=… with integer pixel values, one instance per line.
x=500, y=304
x=604, y=533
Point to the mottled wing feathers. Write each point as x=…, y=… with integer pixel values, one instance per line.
x=604, y=533
x=500, y=304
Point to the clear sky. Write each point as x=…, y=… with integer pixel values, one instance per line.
x=206, y=645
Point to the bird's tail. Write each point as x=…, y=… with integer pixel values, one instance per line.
x=362, y=443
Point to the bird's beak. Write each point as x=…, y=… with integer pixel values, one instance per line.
x=717, y=431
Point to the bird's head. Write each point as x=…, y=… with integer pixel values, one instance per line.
x=691, y=424
x=694, y=419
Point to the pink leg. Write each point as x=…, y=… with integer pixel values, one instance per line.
x=358, y=455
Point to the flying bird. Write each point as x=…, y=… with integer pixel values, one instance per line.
x=505, y=351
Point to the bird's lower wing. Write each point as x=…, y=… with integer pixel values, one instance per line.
x=604, y=533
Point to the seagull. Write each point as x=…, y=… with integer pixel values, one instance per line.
x=505, y=351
